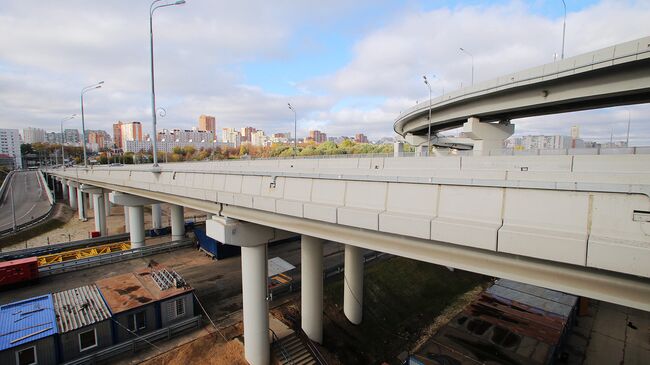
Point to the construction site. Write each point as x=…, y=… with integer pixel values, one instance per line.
x=68, y=297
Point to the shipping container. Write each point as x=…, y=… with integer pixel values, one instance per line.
x=18, y=271
x=214, y=248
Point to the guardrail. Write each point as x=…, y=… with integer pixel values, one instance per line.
x=5, y=182
x=19, y=227
x=109, y=258
x=139, y=342
x=44, y=184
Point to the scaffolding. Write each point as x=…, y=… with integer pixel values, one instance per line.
x=167, y=279
x=81, y=253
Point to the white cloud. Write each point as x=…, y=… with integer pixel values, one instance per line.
x=50, y=50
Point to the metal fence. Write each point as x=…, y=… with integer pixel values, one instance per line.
x=139, y=342
x=88, y=262
x=59, y=247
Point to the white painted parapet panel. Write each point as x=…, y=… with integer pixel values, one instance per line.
x=550, y=225
x=363, y=203
x=620, y=238
x=326, y=197
x=409, y=209
x=468, y=216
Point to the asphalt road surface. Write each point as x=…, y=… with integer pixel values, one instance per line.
x=30, y=199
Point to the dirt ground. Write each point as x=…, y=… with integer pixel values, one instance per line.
x=404, y=302
x=65, y=226
x=210, y=349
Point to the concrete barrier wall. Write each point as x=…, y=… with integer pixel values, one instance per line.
x=591, y=228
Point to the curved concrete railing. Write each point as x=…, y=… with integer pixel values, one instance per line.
x=569, y=70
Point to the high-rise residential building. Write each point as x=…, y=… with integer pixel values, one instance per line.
x=117, y=135
x=317, y=136
x=208, y=123
x=230, y=135
x=33, y=135
x=98, y=139
x=247, y=134
x=281, y=137
x=131, y=132
x=182, y=136
x=543, y=142
x=71, y=136
x=10, y=145
x=53, y=137
x=259, y=138
x=360, y=138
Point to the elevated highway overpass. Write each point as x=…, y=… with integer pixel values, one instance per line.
x=578, y=223
x=575, y=223
x=612, y=76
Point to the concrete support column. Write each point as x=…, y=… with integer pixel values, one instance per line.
x=398, y=149
x=311, y=297
x=255, y=305
x=136, y=226
x=156, y=216
x=64, y=187
x=81, y=204
x=353, y=284
x=487, y=136
x=100, y=214
x=72, y=197
x=126, y=219
x=90, y=202
x=107, y=204
x=252, y=239
x=134, y=214
x=178, y=222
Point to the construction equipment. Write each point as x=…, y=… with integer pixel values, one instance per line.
x=82, y=253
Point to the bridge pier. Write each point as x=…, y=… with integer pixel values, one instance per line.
x=136, y=226
x=311, y=297
x=107, y=204
x=72, y=194
x=255, y=305
x=64, y=188
x=81, y=204
x=353, y=284
x=97, y=195
x=178, y=222
x=156, y=216
x=100, y=214
x=126, y=219
x=252, y=239
x=90, y=202
x=487, y=136
x=134, y=215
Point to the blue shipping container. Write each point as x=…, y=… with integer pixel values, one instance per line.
x=215, y=248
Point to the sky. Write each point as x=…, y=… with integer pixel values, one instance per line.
x=346, y=66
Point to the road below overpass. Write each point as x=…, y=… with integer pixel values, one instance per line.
x=29, y=197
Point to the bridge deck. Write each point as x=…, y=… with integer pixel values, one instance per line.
x=590, y=211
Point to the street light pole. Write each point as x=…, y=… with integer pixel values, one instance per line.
x=627, y=140
x=63, y=138
x=153, y=8
x=472, y=56
x=426, y=82
x=83, y=123
x=295, y=130
x=563, y=28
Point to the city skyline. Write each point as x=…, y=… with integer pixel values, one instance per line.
x=356, y=79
